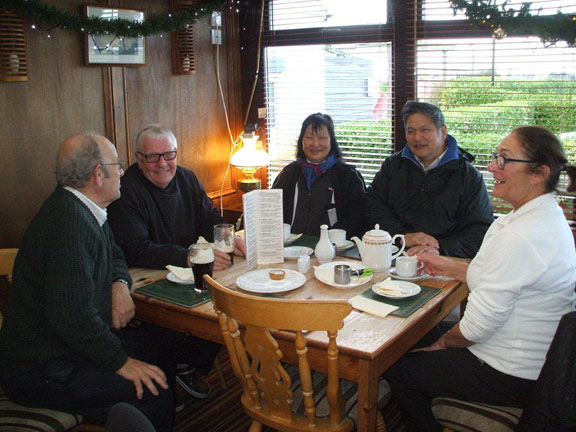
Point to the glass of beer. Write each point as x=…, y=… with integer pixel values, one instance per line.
x=224, y=239
x=202, y=260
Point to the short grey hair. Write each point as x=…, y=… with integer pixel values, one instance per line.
x=155, y=131
x=76, y=170
x=428, y=109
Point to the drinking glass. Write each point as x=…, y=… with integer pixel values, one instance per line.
x=224, y=239
x=202, y=260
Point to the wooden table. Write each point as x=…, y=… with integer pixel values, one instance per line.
x=367, y=345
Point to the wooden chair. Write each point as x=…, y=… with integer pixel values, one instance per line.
x=268, y=385
x=14, y=417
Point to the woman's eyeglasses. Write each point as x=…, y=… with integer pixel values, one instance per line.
x=501, y=161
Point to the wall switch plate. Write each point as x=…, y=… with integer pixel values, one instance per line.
x=216, y=37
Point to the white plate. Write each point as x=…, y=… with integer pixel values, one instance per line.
x=325, y=273
x=392, y=273
x=294, y=252
x=409, y=288
x=346, y=245
x=259, y=281
x=172, y=278
x=292, y=239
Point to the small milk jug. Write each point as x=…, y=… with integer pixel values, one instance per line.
x=325, y=250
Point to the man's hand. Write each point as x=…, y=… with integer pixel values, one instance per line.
x=123, y=308
x=143, y=373
x=221, y=260
x=240, y=246
x=421, y=239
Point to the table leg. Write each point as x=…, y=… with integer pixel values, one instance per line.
x=367, y=395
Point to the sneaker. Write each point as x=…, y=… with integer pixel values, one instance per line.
x=179, y=403
x=193, y=383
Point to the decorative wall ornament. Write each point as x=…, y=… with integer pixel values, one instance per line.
x=13, y=55
x=52, y=17
x=505, y=20
x=183, y=57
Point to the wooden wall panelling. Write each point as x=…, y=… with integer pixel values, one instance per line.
x=62, y=97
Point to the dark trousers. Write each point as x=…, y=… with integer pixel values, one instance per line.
x=74, y=385
x=419, y=377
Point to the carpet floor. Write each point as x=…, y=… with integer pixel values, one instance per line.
x=222, y=410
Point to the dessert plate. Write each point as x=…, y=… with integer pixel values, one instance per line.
x=259, y=281
x=408, y=289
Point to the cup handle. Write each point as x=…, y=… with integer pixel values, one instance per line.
x=401, y=236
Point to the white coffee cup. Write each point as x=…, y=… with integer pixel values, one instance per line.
x=337, y=236
x=287, y=229
x=408, y=266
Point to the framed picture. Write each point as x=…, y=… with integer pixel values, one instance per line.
x=109, y=49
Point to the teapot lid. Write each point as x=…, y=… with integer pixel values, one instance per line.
x=376, y=235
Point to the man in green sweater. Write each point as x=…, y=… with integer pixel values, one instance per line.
x=64, y=343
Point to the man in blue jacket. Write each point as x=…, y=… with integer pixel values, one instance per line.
x=430, y=191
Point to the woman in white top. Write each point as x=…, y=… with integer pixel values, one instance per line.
x=521, y=283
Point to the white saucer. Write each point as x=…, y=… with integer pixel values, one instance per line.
x=292, y=239
x=325, y=273
x=392, y=273
x=172, y=278
x=295, y=252
x=409, y=288
x=345, y=246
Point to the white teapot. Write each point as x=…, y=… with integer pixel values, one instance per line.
x=376, y=248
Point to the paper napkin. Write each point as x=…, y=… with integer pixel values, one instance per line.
x=389, y=287
x=372, y=307
x=181, y=273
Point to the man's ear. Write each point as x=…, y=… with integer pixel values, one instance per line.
x=98, y=175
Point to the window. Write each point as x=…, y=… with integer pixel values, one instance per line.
x=349, y=81
x=486, y=87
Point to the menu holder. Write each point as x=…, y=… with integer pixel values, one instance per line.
x=179, y=294
x=406, y=306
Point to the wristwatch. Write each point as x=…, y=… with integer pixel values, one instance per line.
x=123, y=281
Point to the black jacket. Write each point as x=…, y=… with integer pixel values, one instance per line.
x=312, y=209
x=449, y=202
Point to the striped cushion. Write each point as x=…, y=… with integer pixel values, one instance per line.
x=17, y=418
x=474, y=417
x=349, y=391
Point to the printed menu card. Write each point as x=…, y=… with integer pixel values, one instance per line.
x=263, y=218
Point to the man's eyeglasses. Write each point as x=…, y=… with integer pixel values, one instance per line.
x=501, y=161
x=121, y=164
x=155, y=157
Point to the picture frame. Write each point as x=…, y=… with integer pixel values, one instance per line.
x=112, y=50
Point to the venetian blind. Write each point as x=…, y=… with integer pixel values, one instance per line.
x=325, y=56
x=486, y=87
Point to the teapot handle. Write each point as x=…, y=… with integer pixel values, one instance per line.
x=401, y=236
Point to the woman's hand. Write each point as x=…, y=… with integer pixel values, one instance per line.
x=437, y=265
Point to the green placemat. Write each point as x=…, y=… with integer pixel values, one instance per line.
x=310, y=241
x=180, y=294
x=406, y=306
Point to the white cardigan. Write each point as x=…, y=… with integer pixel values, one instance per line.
x=521, y=283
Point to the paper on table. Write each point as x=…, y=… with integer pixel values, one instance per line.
x=263, y=228
x=372, y=307
x=181, y=273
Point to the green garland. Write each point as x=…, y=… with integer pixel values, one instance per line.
x=52, y=17
x=550, y=28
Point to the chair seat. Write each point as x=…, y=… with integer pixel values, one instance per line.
x=18, y=418
x=464, y=416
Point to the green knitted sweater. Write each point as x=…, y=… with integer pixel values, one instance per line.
x=60, y=298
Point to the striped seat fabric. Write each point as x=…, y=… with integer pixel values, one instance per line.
x=464, y=416
x=17, y=418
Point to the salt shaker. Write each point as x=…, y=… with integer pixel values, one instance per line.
x=303, y=264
